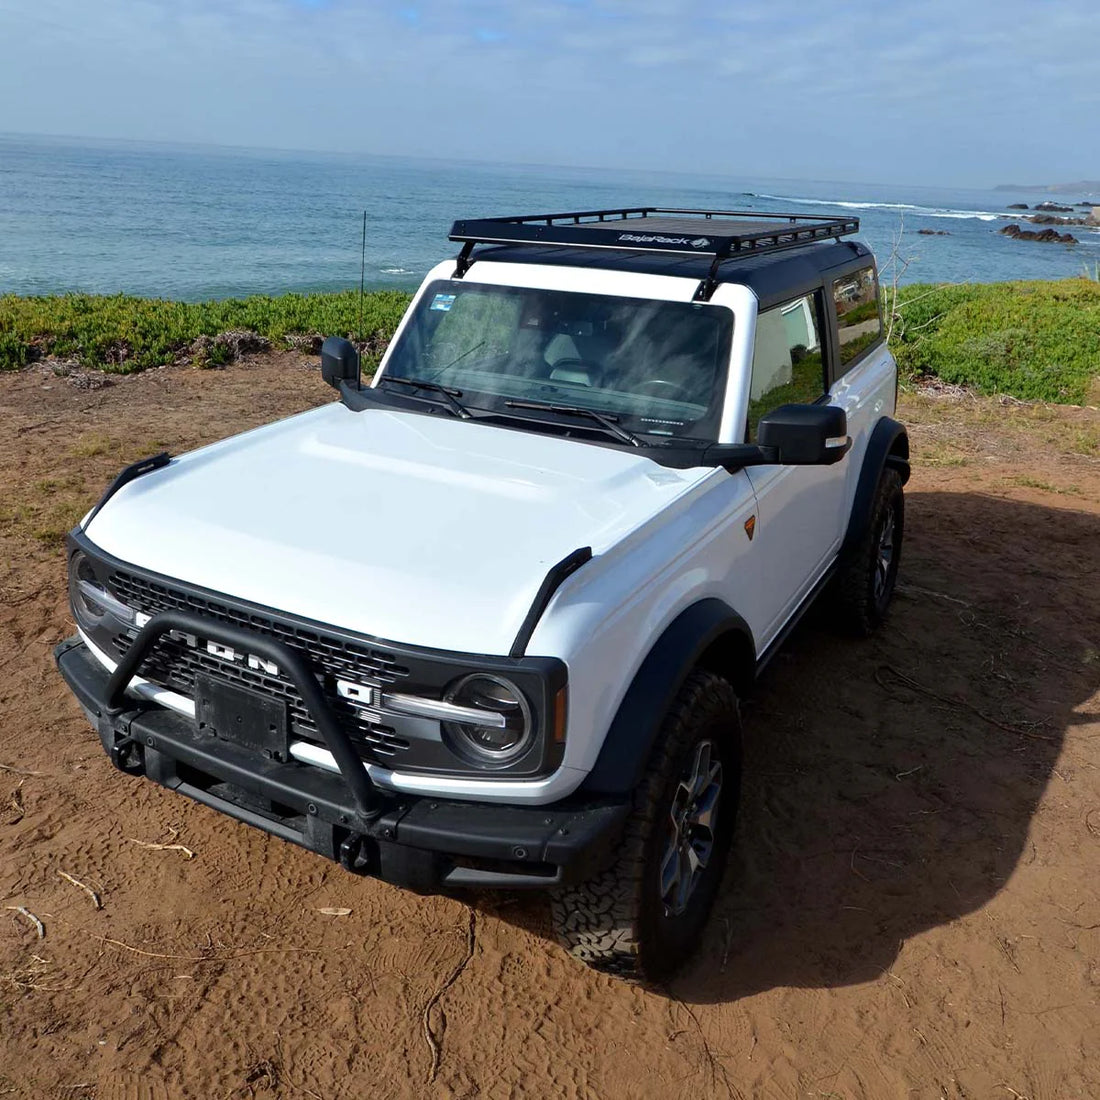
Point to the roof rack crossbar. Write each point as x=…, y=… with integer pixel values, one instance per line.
x=753, y=233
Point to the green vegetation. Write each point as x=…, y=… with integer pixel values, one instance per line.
x=1038, y=341
x=125, y=334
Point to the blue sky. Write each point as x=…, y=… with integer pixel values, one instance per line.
x=969, y=92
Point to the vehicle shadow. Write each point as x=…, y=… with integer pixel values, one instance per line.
x=889, y=783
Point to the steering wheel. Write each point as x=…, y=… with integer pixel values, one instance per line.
x=681, y=391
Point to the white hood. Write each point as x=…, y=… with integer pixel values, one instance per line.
x=412, y=528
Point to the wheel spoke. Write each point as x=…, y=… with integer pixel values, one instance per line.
x=703, y=817
x=691, y=828
x=670, y=870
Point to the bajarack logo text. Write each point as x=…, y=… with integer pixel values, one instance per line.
x=654, y=238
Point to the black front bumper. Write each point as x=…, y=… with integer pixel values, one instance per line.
x=425, y=844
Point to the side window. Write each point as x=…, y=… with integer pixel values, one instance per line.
x=858, y=319
x=787, y=366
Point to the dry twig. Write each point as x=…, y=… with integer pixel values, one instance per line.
x=206, y=958
x=960, y=704
x=714, y=1065
x=435, y=1040
x=87, y=889
x=41, y=928
x=187, y=853
x=16, y=771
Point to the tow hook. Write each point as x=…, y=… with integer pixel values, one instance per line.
x=355, y=855
x=128, y=756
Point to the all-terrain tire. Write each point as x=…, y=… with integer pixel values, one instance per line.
x=617, y=921
x=865, y=584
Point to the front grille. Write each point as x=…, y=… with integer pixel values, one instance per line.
x=174, y=663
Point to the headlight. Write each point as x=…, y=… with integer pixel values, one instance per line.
x=497, y=743
x=91, y=602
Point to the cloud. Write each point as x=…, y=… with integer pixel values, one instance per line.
x=939, y=90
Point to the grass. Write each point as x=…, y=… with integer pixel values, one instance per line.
x=1038, y=341
x=125, y=334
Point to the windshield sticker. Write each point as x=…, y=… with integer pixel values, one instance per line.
x=443, y=302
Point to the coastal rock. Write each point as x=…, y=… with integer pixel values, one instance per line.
x=1047, y=236
x=933, y=233
x=1017, y=206
x=1053, y=219
x=1053, y=208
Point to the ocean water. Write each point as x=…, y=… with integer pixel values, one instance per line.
x=203, y=222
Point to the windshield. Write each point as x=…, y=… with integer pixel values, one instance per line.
x=657, y=368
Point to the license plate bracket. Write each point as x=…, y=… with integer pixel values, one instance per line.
x=242, y=716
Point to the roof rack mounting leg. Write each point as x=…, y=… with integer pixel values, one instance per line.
x=462, y=264
x=708, y=285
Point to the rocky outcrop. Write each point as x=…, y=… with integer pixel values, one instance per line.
x=1047, y=236
x=1053, y=219
x=1054, y=208
x=1017, y=206
x=933, y=233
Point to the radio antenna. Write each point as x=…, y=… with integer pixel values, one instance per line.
x=362, y=275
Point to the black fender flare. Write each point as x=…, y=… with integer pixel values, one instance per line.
x=708, y=632
x=888, y=446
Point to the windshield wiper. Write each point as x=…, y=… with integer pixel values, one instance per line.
x=449, y=396
x=605, y=420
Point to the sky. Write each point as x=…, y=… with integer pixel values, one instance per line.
x=953, y=92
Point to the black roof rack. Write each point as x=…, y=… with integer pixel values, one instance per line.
x=721, y=234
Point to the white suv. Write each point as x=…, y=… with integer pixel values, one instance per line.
x=485, y=621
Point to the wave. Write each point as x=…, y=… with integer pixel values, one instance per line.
x=921, y=211
x=397, y=271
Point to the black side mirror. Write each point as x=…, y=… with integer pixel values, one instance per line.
x=339, y=361
x=792, y=435
x=805, y=435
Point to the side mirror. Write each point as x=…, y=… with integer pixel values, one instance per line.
x=339, y=361
x=805, y=435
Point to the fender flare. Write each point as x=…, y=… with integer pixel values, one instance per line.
x=709, y=625
x=888, y=446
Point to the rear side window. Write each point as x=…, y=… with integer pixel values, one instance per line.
x=787, y=367
x=858, y=319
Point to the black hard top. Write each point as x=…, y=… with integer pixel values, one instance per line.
x=772, y=279
x=775, y=255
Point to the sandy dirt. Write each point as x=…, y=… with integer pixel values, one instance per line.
x=912, y=907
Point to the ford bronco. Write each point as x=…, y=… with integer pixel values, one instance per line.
x=485, y=620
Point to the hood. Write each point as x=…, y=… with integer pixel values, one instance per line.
x=408, y=527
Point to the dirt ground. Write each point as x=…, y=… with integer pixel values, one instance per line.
x=912, y=909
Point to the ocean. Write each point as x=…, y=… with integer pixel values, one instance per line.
x=203, y=222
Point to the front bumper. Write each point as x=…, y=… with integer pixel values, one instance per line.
x=420, y=843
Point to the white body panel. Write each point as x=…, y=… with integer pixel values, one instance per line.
x=432, y=531
x=420, y=529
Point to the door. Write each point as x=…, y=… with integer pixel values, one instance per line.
x=801, y=515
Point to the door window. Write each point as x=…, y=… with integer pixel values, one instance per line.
x=858, y=319
x=787, y=366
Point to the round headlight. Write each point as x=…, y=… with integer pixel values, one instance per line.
x=507, y=731
x=82, y=585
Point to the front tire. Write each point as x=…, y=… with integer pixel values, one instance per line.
x=643, y=916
